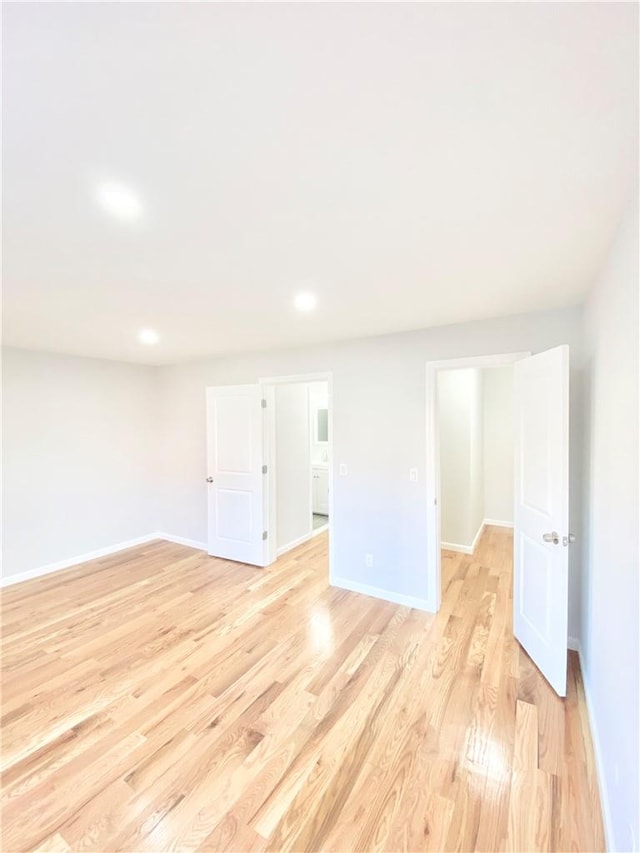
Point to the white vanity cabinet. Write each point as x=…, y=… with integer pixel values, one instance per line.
x=320, y=484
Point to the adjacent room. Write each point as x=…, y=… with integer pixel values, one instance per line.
x=476, y=452
x=320, y=427
x=301, y=462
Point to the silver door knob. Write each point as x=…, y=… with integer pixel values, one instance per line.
x=551, y=537
x=567, y=540
x=209, y=479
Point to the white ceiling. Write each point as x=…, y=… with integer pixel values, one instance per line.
x=412, y=164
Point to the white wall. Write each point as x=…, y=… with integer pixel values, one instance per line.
x=293, y=464
x=79, y=453
x=609, y=630
x=461, y=456
x=95, y=412
x=379, y=417
x=498, y=443
x=475, y=408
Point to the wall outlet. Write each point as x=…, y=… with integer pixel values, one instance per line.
x=368, y=560
x=413, y=475
x=343, y=470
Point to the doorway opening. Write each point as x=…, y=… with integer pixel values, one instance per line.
x=299, y=452
x=470, y=431
x=540, y=482
x=269, y=477
x=475, y=425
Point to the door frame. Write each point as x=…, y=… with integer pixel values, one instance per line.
x=434, y=581
x=268, y=384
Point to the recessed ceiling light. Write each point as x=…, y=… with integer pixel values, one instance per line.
x=148, y=336
x=119, y=200
x=305, y=301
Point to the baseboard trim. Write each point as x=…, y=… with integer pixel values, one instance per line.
x=58, y=566
x=294, y=544
x=320, y=530
x=464, y=549
x=493, y=522
x=181, y=540
x=595, y=740
x=476, y=538
x=451, y=546
x=50, y=568
x=384, y=594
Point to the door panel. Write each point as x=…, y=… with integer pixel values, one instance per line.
x=235, y=450
x=234, y=514
x=541, y=565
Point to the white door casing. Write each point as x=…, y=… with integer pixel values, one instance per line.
x=237, y=501
x=541, y=512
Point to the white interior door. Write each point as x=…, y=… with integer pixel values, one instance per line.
x=541, y=534
x=237, y=518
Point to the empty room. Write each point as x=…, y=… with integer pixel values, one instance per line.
x=320, y=427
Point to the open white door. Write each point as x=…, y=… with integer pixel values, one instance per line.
x=237, y=517
x=541, y=535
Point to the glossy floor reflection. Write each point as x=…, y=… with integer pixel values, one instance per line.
x=161, y=699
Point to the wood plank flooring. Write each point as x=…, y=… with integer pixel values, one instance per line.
x=160, y=699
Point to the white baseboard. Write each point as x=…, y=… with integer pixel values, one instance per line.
x=320, y=530
x=294, y=544
x=384, y=594
x=50, y=568
x=469, y=549
x=180, y=540
x=597, y=749
x=464, y=549
x=476, y=538
x=9, y=580
x=451, y=546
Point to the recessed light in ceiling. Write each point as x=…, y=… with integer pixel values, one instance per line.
x=305, y=301
x=148, y=336
x=119, y=201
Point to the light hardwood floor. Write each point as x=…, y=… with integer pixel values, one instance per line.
x=160, y=699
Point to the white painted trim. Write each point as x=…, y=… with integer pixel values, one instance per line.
x=493, y=522
x=597, y=749
x=325, y=376
x=298, y=377
x=50, y=568
x=180, y=540
x=318, y=530
x=432, y=472
x=476, y=538
x=294, y=544
x=384, y=594
x=451, y=546
x=573, y=643
x=479, y=361
x=465, y=549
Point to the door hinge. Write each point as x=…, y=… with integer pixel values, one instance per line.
x=265, y=535
x=264, y=469
x=264, y=403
